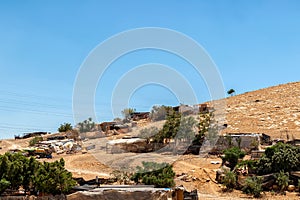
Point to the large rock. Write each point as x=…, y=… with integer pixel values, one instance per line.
x=291, y=188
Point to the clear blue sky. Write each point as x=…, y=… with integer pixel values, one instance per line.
x=255, y=44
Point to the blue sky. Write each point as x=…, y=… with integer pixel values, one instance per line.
x=255, y=44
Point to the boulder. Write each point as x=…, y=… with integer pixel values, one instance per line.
x=291, y=188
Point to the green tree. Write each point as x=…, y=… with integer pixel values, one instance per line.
x=232, y=156
x=53, y=178
x=64, y=178
x=231, y=92
x=86, y=126
x=170, y=128
x=157, y=174
x=30, y=172
x=205, y=126
x=15, y=174
x=17, y=170
x=65, y=127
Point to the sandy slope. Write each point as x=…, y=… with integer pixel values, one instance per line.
x=274, y=110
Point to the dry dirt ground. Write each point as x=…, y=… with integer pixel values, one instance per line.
x=199, y=171
x=13, y=144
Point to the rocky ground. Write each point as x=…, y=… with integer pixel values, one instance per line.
x=273, y=110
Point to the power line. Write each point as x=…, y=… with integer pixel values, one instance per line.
x=22, y=125
x=25, y=95
x=31, y=103
x=38, y=112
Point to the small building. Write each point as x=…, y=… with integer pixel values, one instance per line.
x=56, y=137
x=277, y=140
x=186, y=109
x=136, y=116
x=28, y=135
x=245, y=141
x=105, y=126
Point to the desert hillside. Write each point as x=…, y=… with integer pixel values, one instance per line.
x=273, y=110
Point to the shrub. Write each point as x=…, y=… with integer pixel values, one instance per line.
x=280, y=157
x=147, y=133
x=127, y=113
x=160, y=112
x=253, y=186
x=250, y=164
x=4, y=184
x=65, y=127
x=282, y=179
x=232, y=156
x=121, y=177
x=86, y=126
x=230, y=180
x=157, y=174
x=35, y=140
